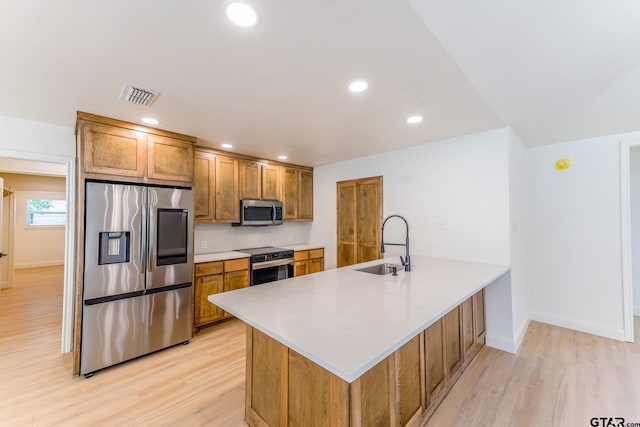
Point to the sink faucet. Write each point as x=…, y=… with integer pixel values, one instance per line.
x=407, y=259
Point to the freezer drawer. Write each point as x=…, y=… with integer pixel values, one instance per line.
x=120, y=330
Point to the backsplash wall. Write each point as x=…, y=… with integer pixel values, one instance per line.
x=224, y=237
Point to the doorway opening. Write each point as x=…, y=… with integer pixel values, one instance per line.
x=39, y=200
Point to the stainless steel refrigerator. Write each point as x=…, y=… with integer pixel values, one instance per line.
x=138, y=263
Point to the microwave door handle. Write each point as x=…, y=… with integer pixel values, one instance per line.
x=273, y=212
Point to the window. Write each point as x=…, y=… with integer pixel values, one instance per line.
x=46, y=213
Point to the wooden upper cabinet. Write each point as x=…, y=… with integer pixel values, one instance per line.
x=227, y=190
x=169, y=159
x=113, y=150
x=305, y=200
x=120, y=151
x=204, y=181
x=250, y=180
x=297, y=196
x=290, y=193
x=271, y=182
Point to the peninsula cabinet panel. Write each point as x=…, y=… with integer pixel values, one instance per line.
x=250, y=182
x=113, y=150
x=435, y=363
x=480, y=327
x=373, y=396
x=271, y=182
x=266, y=375
x=409, y=373
x=205, y=312
x=227, y=190
x=468, y=334
x=453, y=347
x=204, y=181
x=170, y=159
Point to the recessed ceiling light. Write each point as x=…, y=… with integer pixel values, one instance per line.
x=242, y=14
x=282, y=157
x=150, y=121
x=358, y=86
x=412, y=120
x=227, y=146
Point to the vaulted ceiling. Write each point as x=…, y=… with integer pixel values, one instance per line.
x=553, y=71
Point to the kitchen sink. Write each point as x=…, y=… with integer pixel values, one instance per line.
x=380, y=269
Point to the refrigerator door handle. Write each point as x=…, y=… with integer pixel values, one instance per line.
x=151, y=223
x=143, y=232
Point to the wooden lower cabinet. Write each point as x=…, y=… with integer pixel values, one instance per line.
x=308, y=261
x=212, y=278
x=283, y=388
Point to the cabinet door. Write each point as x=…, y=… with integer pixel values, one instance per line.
x=227, y=189
x=205, y=312
x=250, y=181
x=316, y=265
x=169, y=159
x=305, y=205
x=300, y=268
x=453, y=349
x=434, y=355
x=271, y=182
x=368, y=214
x=204, y=171
x=113, y=150
x=290, y=193
x=235, y=280
x=480, y=328
x=468, y=335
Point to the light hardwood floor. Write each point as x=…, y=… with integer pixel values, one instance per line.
x=560, y=377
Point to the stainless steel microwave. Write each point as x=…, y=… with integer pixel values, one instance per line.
x=260, y=212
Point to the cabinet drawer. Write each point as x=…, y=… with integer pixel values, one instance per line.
x=207, y=268
x=300, y=255
x=316, y=253
x=236, y=264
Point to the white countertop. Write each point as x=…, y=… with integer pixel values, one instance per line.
x=301, y=247
x=219, y=256
x=347, y=321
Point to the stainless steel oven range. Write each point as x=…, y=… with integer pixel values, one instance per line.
x=269, y=264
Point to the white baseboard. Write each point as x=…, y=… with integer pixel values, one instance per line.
x=501, y=343
x=522, y=332
x=636, y=310
x=579, y=325
x=37, y=264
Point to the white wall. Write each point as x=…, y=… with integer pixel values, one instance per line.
x=575, y=234
x=463, y=181
x=224, y=237
x=518, y=199
x=46, y=141
x=35, y=246
x=634, y=165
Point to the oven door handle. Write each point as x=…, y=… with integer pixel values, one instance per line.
x=274, y=263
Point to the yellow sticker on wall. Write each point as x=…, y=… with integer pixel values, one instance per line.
x=563, y=164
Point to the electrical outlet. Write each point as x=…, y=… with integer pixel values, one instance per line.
x=442, y=224
x=203, y=244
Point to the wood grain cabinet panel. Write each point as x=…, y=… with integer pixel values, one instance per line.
x=468, y=335
x=435, y=363
x=305, y=198
x=169, y=159
x=316, y=265
x=290, y=193
x=300, y=268
x=206, y=312
x=359, y=210
x=453, y=348
x=272, y=182
x=204, y=181
x=113, y=150
x=250, y=180
x=227, y=189
x=479, y=324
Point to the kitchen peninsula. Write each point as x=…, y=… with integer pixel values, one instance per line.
x=346, y=347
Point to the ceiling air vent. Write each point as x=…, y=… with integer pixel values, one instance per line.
x=138, y=95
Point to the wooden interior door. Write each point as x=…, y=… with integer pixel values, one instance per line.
x=359, y=210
